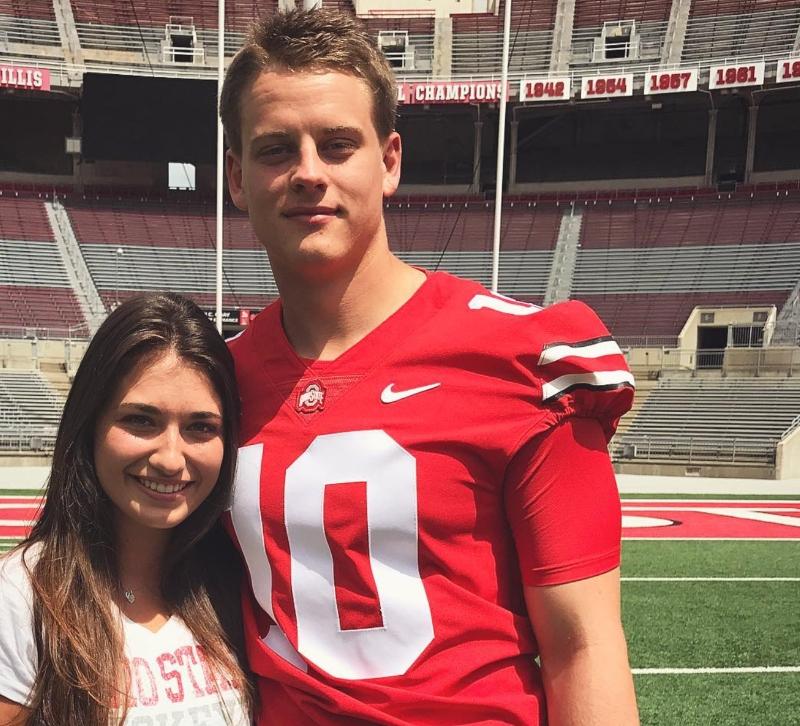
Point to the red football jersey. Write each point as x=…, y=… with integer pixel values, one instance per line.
x=392, y=503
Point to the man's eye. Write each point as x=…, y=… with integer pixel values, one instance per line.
x=273, y=152
x=340, y=147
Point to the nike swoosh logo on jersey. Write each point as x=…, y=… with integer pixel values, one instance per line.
x=389, y=395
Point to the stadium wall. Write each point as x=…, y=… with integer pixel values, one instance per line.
x=787, y=459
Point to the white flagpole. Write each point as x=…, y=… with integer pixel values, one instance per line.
x=501, y=142
x=220, y=154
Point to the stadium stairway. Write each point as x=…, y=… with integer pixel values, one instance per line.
x=565, y=254
x=80, y=278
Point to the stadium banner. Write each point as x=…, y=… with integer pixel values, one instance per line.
x=788, y=70
x=607, y=85
x=736, y=75
x=678, y=81
x=232, y=316
x=33, y=79
x=545, y=88
x=450, y=92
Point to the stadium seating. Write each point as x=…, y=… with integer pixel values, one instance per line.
x=642, y=317
x=730, y=28
x=478, y=39
x=645, y=266
x=23, y=219
x=596, y=12
x=27, y=22
x=34, y=288
x=169, y=247
x=172, y=247
x=158, y=12
x=719, y=419
x=651, y=18
x=53, y=309
x=28, y=9
x=29, y=411
x=688, y=221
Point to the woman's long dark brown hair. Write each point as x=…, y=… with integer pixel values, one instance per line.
x=81, y=677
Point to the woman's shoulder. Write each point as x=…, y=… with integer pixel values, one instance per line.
x=15, y=568
x=18, y=656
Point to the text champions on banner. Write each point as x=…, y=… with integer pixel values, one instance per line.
x=607, y=85
x=34, y=79
x=736, y=75
x=675, y=81
x=545, y=89
x=450, y=92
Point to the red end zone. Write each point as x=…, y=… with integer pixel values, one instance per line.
x=641, y=518
x=710, y=519
x=16, y=514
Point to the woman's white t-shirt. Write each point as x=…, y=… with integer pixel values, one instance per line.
x=170, y=680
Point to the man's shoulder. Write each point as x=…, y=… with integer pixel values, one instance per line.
x=562, y=354
x=508, y=325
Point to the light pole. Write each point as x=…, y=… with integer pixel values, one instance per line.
x=119, y=252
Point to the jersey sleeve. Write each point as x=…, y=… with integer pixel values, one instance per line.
x=562, y=503
x=18, y=655
x=580, y=369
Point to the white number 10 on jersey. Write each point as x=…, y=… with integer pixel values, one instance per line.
x=391, y=485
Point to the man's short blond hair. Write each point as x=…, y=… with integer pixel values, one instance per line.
x=311, y=41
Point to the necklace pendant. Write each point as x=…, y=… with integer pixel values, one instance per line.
x=129, y=596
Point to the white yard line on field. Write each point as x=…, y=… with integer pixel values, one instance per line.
x=714, y=539
x=683, y=502
x=710, y=579
x=681, y=671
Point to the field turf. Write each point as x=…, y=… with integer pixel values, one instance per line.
x=747, y=632
x=714, y=624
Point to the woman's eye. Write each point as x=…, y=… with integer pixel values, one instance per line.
x=205, y=427
x=135, y=419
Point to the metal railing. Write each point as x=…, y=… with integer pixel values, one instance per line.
x=73, y=332
x=695, y=450
x=647, y=341
x=734, y=360
x=791, y=427
x=28, y=439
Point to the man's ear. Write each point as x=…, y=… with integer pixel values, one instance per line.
x=392, y=156
x=233, y=170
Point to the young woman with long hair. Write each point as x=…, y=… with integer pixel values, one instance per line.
x=122, y=605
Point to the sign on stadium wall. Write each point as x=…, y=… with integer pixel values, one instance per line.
x=34, y=79
x=232, y=316
x=607, y=85
x=788, y=70
x=680, y=81
x=736, y=75
x=450, y=92
x=545, y=88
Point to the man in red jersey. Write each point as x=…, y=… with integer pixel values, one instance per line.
x=424, y=496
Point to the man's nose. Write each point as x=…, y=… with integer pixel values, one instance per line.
x=310, y=170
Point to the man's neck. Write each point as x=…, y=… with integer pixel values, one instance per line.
x=324, y=319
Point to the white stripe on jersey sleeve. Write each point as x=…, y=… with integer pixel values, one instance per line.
x=595, y=350
x=592, y=380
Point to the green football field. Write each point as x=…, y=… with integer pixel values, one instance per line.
x=744, y=629
x=716, y=650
